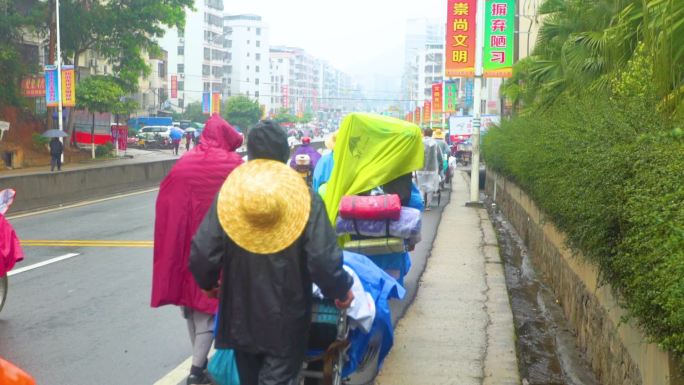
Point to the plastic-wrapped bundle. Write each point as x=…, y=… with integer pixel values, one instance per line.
x=406, y=227
x=375, y=246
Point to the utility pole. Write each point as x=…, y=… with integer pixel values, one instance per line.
x=59, y=77
x=52, y=39
x=477, y=106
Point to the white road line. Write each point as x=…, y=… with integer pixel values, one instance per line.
x=85, y=203
x=41, y=264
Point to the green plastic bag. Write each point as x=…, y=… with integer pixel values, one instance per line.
x=370, y=151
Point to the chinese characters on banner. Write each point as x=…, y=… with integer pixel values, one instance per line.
x=33, y=86
x=286, y=97
x=174, y=87
x=451, y=100
x=469, y=89
x=417, y=116
x=460, y=38
x=499, y=38
x=216, y=103
x=68, y=86
x=427, y=111
x=206, y=103
x=410, y=117
x=51, y=87
x=437, y=100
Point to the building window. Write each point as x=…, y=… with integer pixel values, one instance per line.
x=206, y=86
x=247, y=42
x=181, y=68
x=181, y=86
x=258, y=56
x=229, y=44
x=205, y=70
x=258, y=31
x=247, y=54
x=256, y=68
x=181, y=34
x=228, y=81
x=247, y=81
x=229, y=69
x=207, y=53
x=181, y=103
x=247, y=93
x=256, y=94
x=247, y=68
x=161, y=67
x=256, y=81
x=249, y=29
x=258, y=43
x=181, y=50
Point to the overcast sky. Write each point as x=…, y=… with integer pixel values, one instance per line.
x=360, y=37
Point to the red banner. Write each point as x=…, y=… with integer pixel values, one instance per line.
x=286, y=97
x=460, y=37
x=437, y=98
x=33, y=86
x=68, y=86
x=84, y=137
x=410, y=117
x=174, y=87
x=417, y=116
x=427, y=111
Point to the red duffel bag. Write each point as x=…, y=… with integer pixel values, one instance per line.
x=374, y=207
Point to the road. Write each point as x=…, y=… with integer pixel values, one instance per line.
x=84, y=318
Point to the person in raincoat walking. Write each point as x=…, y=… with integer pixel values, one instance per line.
x=56, y=148
x=184, y=198
x=267, y=238
x=428, y=177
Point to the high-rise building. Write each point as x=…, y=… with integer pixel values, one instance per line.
x=196, y=53
x=420, y=32
x=247, y=65
x=299, y=87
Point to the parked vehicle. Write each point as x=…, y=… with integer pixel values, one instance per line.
x=155, y=137
x=138, y=123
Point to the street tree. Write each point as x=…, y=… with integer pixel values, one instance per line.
x=193, y=112
x=100, y=94
x=284, y=116
x=242, y=112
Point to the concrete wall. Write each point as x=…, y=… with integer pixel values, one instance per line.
x=618, y=352
x=42, y=190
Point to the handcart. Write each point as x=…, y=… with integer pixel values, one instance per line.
x=328, y=344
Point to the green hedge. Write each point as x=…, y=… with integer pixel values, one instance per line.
x=609, y=170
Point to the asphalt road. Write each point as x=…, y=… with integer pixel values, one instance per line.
x=86, y=319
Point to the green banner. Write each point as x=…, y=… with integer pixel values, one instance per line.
x=499, y=38
x=451, y=97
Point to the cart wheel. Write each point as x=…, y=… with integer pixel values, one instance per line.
x=3, y=290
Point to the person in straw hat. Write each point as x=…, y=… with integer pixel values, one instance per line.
x=266, y=239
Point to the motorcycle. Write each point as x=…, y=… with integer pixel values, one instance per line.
x=10, y=248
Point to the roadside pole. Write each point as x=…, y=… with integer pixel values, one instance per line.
x=477, y=105
x=59, y=79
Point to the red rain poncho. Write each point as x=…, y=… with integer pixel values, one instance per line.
x=185, y=196
x=10, y=249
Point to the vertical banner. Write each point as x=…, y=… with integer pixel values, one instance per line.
x=51, y=90
x=451, y=97
x=68, y=86
x=216, y=103
x=174, y=87
x=206, y=103
x=427, y=111
x=460, y=38
x=499, y=38
x=437, y=100
x=417, y=116
x=286, y=97
x=469, y=88
x=410, y=117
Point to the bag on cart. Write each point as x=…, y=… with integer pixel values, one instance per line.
x=371, y=207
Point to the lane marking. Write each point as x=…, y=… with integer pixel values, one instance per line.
x=86, y=243
x=181, y=372
x=41, y=264
x=80, y=204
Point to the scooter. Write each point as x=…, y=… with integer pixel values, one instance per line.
x=10, y=248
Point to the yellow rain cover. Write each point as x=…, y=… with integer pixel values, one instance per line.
x=370, y=151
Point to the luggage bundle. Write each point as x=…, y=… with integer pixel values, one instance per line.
x=379, y=223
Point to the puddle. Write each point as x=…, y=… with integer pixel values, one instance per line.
x=547, y=352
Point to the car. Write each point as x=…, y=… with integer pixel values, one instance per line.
x=163, y=131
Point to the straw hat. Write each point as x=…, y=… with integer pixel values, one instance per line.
x=263, y=206
x=330, y=141
x=438, y=133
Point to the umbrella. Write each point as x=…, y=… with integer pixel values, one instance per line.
x=190, y=129
x=54, y=133
x=176, y=133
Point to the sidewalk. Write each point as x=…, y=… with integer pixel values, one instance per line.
x=132, y=156
x=459, y=329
